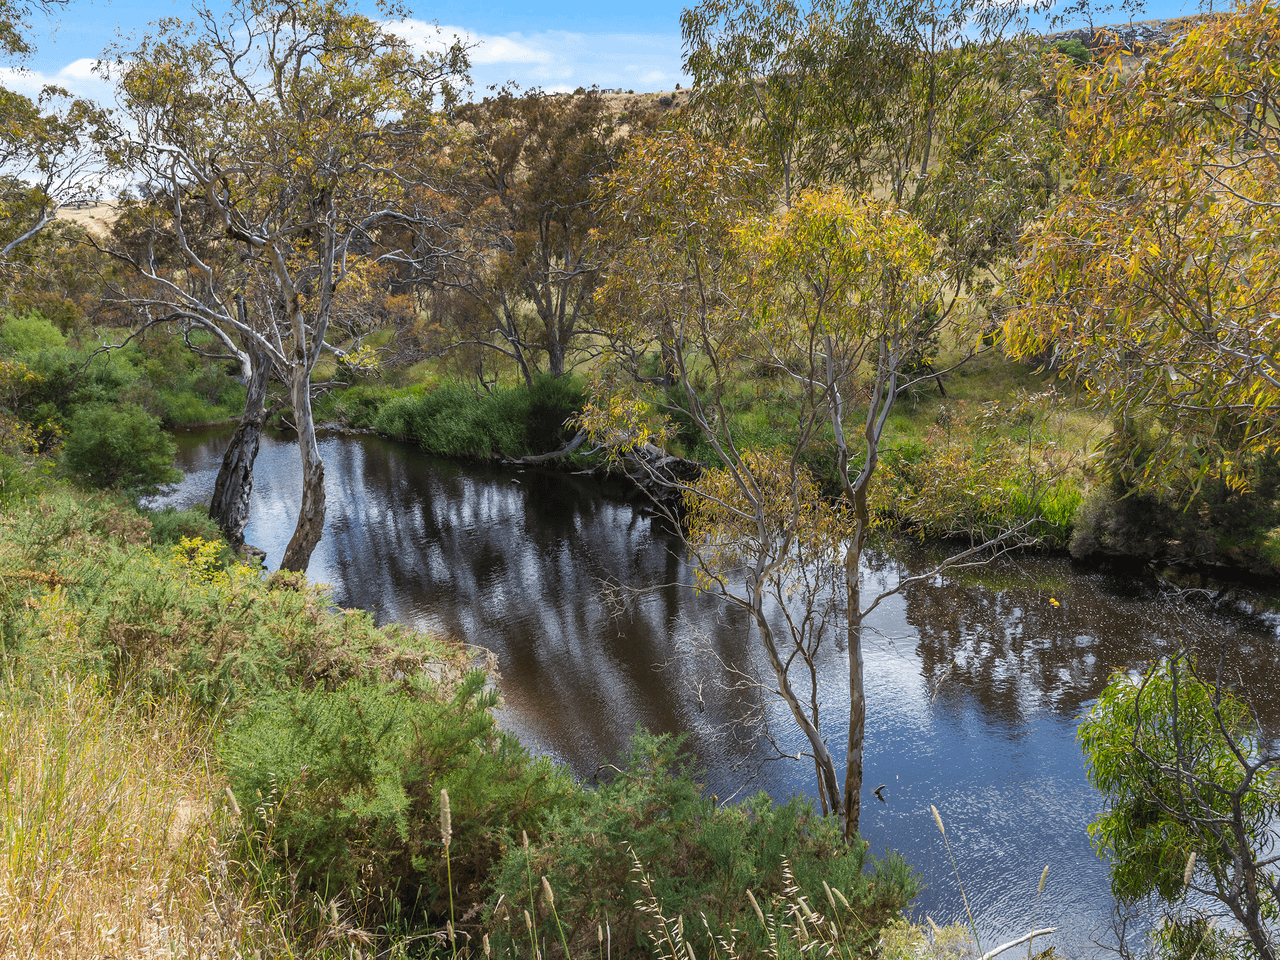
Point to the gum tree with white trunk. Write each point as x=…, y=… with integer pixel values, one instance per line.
x=270, y=138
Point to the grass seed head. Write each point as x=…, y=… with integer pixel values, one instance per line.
x=446, y=819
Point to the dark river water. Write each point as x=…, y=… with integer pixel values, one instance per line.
x=975, y=680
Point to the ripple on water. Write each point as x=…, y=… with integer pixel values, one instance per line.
x=974, y=680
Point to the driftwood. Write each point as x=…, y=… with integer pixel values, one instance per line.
x=578, y=440
x=1013, y=943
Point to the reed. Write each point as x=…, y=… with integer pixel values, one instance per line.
x=1027, y=938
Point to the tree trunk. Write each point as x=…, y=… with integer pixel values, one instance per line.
x=311, y=515
x=930, y=115
x=555, y=358
x=857, y=697
x=231, y=491
x=822, y=760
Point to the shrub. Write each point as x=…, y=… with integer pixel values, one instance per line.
x=454, y=420
x=120, y=448
x=26, y=335
x=702, y=857
x=21, y=472
x=170, y=525
x=971, y=477
x=158, y=625
x=1192, y=801
x=552, y=402
x=359, y=405
x=350, y=780
x=1073, y=48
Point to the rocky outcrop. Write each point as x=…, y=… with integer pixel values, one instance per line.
x=1143, y=38
x=1138, y=38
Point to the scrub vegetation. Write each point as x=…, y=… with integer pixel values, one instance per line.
x=884, y=270
x=197, y=757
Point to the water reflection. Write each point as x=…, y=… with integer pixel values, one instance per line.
x=1030, y=635
x=975, y=679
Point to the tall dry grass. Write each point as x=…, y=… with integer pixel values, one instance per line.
x=107, y=828
x=118, y=842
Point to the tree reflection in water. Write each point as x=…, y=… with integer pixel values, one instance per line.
x=974, y=681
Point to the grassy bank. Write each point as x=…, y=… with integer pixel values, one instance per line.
x=995, y=444
x=200, y=761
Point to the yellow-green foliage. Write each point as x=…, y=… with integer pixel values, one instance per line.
x=202, y=561
x=984, y=469
x=123, y=661
x=80, y=583
x=115, y=834
x=1154, y=280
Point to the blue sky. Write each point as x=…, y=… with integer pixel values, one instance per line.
x=610, y=43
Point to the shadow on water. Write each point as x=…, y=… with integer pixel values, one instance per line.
x=975, y=679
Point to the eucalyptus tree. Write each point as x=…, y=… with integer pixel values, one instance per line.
x=829, y=299
x=1192, y=804
x=48, y=143
x=805, y=85
x=270, y=140
x=1155, y=282
x=527, y=170
x=47, y=151
x=931, y=104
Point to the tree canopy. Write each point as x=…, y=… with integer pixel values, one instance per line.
x=1155, y=281
x=269, y=143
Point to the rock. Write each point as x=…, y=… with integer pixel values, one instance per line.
x=1136, y=38
x=665, y=101
x=249, y=553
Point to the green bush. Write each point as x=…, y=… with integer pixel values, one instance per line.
x=702, y=859
x=971, y=477
x=170, y=525
x=454, y=420
x=552, y=402
x=28, y=334
x=350, y=781
x=1075, y=49
x=359, y=405
x=1192, y=802
x=180, y=387
x=151, y=621
x=119, y=448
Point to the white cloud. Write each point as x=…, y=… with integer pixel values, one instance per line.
x=512, y=48
x=557, y=60
x=81, y=69
x=77, y=77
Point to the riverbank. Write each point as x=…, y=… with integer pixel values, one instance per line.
x=1001, y=446
x=292, y=780
x=975, y=679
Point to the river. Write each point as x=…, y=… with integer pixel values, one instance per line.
x=975, y=680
